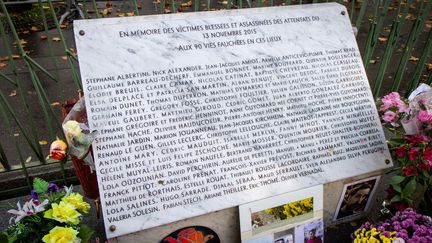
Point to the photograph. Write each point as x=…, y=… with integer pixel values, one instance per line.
x=278, y=216
x=312, y=232
x=286, y=236
x=282, y=212
x=356, y=198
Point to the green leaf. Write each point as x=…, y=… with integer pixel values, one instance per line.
x=409, y=189
x=396, y=198
x=397, y=188
x=8, y=238
x=85, y=233
x=396, y=180
x=40, y=186
x=4, y=237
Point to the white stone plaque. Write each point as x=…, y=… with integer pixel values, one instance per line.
x=199, y=112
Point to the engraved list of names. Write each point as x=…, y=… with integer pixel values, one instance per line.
x=200, y=112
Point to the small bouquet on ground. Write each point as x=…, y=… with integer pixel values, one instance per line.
x=405, y=226
x=410, y=120
x=51, y=215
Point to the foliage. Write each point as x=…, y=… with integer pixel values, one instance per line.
x=51, y=215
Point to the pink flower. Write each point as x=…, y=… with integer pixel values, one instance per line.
x=389, y=116
x=413, y=154
x=392, y=99
x=424, y=116
x=403, y=108
x=384, y=107
x=409, y=170
x=400, y=151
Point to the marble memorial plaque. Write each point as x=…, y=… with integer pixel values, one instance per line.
x=198, y=112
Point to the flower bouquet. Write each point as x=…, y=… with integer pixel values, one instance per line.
x=410, y=120
x=79, y=139
x=51, y=215
x=404, y=226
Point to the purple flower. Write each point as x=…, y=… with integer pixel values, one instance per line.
x=34, y=195
x=407, y=223
x=402, y=235
x=53, y=188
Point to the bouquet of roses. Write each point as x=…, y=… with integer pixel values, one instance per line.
x=51, y=215
x=410, y=120
x=408, y=116
x=405, y=226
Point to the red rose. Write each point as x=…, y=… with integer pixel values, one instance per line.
x=409, y=170
x=400, y=206
x=427, y=154
x=424, y=166
x=400, y=151
x=390, y=192
x=413, y=154
x=417, y=138
x=58, y=150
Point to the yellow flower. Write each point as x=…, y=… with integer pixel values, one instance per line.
x=268, y=211
x=63, y=212
x=61, y=235
x=77, y=200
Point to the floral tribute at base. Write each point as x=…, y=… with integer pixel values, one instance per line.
x=52, y=215
x=410, y=121
x=404, y=226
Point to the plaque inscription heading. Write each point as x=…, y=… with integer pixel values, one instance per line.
x=203, y=111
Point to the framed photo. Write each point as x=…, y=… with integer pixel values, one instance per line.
x=275, y=217
x=356, y=198
x=312, y=232
x=286, y=236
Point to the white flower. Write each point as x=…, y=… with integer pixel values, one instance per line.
x=29, y=208
x=72, y=129
x=68, y=190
